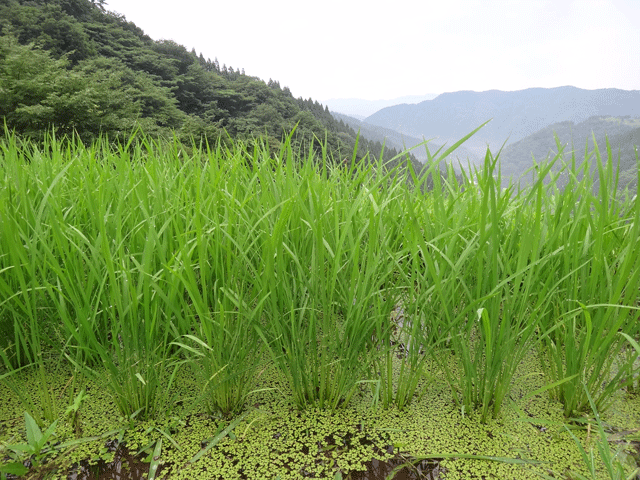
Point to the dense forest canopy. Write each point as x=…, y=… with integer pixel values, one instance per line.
x=74, y=66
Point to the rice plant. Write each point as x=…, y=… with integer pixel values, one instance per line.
x=222, y=301
x=596, y=271
x=130, y=261
x=326, y=265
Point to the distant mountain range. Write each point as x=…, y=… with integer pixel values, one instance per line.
x=402, y=142
x=524, y=122
x=514, y=115
x=360, y=109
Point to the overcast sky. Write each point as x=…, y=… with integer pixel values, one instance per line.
x=381, y=50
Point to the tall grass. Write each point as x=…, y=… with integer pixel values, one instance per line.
x=328, y=259
x=597, y=273
x=129, y=262
x=480, y=281
x=219, y=267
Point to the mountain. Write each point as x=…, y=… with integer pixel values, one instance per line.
x=391, y=138
x=514, y=115
x=400, y=142
x=622, y=132
x=627, y=150
x=360, y=108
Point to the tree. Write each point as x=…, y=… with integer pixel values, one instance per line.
x=49, y=27
x=38, y=92
x=26, y=81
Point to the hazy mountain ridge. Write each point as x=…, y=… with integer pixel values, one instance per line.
x=622, y=132
x=514, y=115
x=360, y=108
x=628, y=153
x=399, y=141
x=393, y=138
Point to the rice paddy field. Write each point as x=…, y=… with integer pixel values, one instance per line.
x=228, y=312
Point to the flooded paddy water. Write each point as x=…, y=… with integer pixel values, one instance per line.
x=361, y=441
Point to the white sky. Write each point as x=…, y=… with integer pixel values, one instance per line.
x=386, y=49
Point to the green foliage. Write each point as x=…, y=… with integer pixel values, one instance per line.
x=218, y=272
x=247, y=262
x=96, y=96
x=36, y=447
x=52, y=26
x=595, y=265
x=327, y=262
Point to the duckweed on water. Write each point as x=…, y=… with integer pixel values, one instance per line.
x=277, y=439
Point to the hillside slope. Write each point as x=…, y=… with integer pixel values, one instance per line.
x=360, y=109
x=75, y=67
x=622, y=133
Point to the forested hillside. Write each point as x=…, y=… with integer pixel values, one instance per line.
x=76, y=67
x=621, y=132
x=627, y=151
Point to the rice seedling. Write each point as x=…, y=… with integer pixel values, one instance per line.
x=478, y=284
x=25, y=230
x=597, y=273
x=135, y=352
x=224, y=308
x=326, y=262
